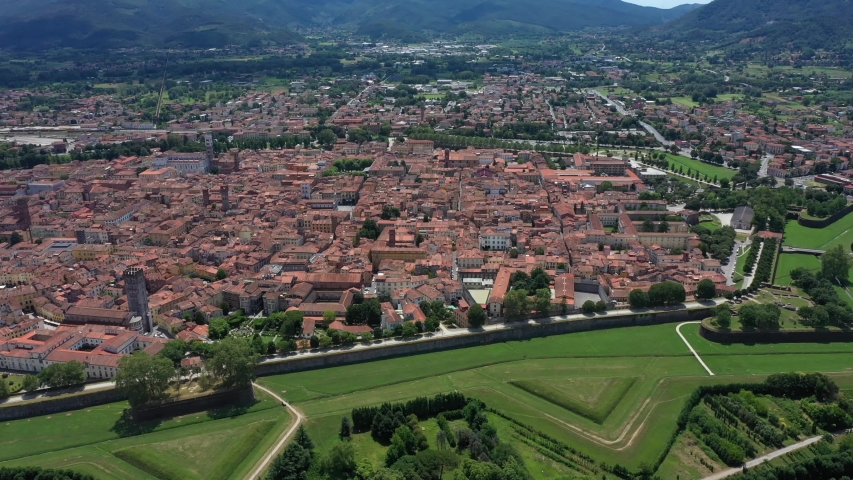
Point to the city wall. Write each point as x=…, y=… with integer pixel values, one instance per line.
x=186, y=406
x=717, y=336
x=812, y=223
x=344, y=356
x=56, y=405
x=295, y=363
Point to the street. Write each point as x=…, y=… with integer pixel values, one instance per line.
x=622, y=111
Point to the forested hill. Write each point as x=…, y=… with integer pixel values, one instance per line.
x=210, y=23
x=814, y=24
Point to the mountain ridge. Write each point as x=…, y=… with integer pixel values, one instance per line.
x=207, y=23
x=800, y=23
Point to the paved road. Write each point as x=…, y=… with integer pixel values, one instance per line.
x=265, y=462
x=622, y=111
x=765, y=162
x=33, y=396
x=747, y=279
x=729, y=270
x=657, y=135
x=765, y=458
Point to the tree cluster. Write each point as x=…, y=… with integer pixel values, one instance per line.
x=295, y=462
x=718, y=244
x=830, y=309
x=368, y=312
x=760, y=317
x=38, y=473
x=144, y=378
x=369, y=230
x=666, y=293
x=58, y=375
x=365, y=418
x=592, y=307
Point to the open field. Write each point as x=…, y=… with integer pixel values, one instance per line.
x=839, y=232
x=688, y=102
x=792, y=261
x=218, y=444
x=642, y=374
x=703, y=168
x=593, y=399
x=580, y=365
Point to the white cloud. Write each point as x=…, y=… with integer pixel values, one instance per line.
x=665, y=3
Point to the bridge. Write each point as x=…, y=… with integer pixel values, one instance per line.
x=802, y=250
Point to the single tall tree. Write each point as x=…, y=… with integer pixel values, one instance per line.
x=835, y=264
x=706, y=290
x=233, y=362
x=638, y=299
x=476, y=316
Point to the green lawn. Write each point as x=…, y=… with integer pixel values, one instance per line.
x=217, y=444
x=711, y=226
x=13, y=381
x=594, y=398
x=791, y=261
x=581, y=365
x=703, y=168
x=839, y=232
x=740, y=263
x=586, y=366
x=685, y=102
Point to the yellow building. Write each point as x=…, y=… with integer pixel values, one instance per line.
x=88, y=252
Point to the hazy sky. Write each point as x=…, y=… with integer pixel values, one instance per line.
x=665, y=3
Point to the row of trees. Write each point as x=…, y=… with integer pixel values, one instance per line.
x=38, y=473
x=765, y=265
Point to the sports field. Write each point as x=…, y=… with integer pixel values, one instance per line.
x=703, y=168
x=839, y=232
x=563, y=385
x=209, y=445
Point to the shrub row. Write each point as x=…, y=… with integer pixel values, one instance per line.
x=730, y=453
x=37, y=473
x=752, y=256
x=788, y=385
x=765, y=264
x=760, y=427
x=704, y=425
x=549, y=454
